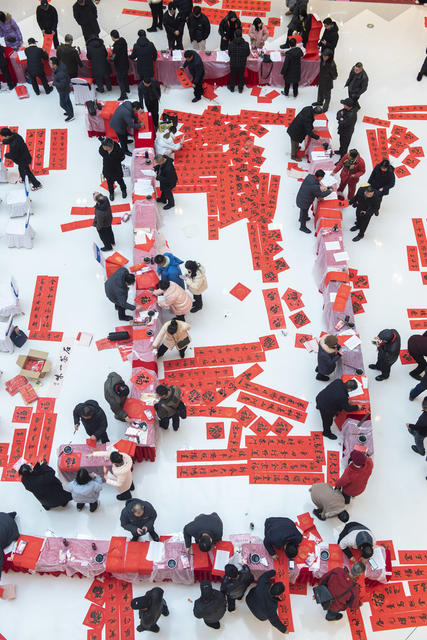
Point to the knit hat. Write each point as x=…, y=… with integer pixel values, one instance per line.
x=348, y=102
x=358, y=458
x=331, y=341
x=386, y=335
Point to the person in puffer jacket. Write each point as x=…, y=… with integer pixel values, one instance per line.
x=235, y=583
x=327, y=356
x=196, y=282
x=10, y=31
x=238, y=50
x=175, y=298
x=165, y=144
x=388, y=345
x=168, y=268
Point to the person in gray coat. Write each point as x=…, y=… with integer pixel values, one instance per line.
x=85, y=488
x=211, y=605
x=103, y=220
x=206, y=529
x=138, y=517
x=124, y=117
x=115, y=393
x=170, y=405
x=309, y=190
x=117, y=289
x=8, y=533
x=99, y=65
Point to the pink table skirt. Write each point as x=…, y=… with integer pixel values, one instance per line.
x=351, y=437
x=77, y=557
x=93, y=465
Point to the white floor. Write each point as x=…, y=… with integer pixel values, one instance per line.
x=392, y=53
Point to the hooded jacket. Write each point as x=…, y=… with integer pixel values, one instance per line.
x=199, y=283
x=327, y=74
x=168, y=407
x=61, y=79
x=330, y=501
x=370, y=205
x=85, y=493
x=45, y=486
x=117, y=290
x=131, y=522
x=347, y=119
x=334, y=398
x=238, y=50
x=115, y=401
x=227, y=29
x=164, y=143
x=344, y=589
x=389, y=349
x=150, y=607
x=121, y=59
x=327, y=358
x=8, y=533
x=417, y=345
x=357, y=84
x=47, y=19
x=145, y=53
x=382, y=179
x=204, y=523
x=302, y=125
x=112, y=162
x=278, y=532
x=170, y=341
x=353, y=536
x=354, y=479
x=86, y=16
x=171, y=271
x=97, y=425
x=199, y=27
x=196, y=68
x=211, y=605
x=103, y=216
x=119, y=477
x=331, y=36
x=236, y=588
x=18, y=150
x=351, y=170
x=35, y=56
x=166, y=174
x=97, y=54
x=69, y=56
x=177, y=299
x=11, y=33
x=262, y=604
x=291, y=69
x=258, y=37
x=123, y=117
x=310, y=190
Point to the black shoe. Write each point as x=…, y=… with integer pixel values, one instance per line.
x=49, y=90
x=317, y=513
x=160, y=27
x=106, y=248
x=112, y=196
x=12, y=86
x=80, y=506
x=373, y=366
x=151, y=29
x=330, y=435
x=100, y=90
x=124, y=194
x=196, y=99
x=415, y=448
x=132, y=487
x=46, y=508
x=283, y=46
x=125, y=318
x=155, y=538
x=140, y=628
x=195, y=309
x=128, y=153
x=419, y=77
x=230, y=89
x=304, y=228
x=160, y=200
x=12, y=514
x=69, y=118
x=122, y=97
x=165, y=611
x=381, y=377
x=175, y=428
x=284, y=93
x=168, y=206
x=321, y=377
x=337, y=616
x=93, y=506
x=109, y=88
x=240, y=90
x=354, y=228
x=65, y=113
x=155, y=628
x=357, y=238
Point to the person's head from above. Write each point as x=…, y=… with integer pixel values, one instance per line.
x=163, y=285
x=367, y=550
x=53, y=62
x=25, y=469
x=68, y=39
x=83, y=476
x=331, y=341
x=358, y=67
x=142, y=604
x=87, y=412
x=353, y=153
x=302, y=14
x=44, y=4
x=159, y=159
x=369, y=191
x=32, y=41
x=141, y=33
x=424, y=404
x=146, y=82
x=276, y=589
x=121, y=389
x=319, y=174
x=162, y=390
x=95, y=195
x=114, y=34
x=386, y=335
x=238, y=33
x=384, y=165
x=2, y=16
x=292, y=43
x=344, y=516
x=5, y=132
x=358, y=569
x=192, y=267
x=291, y=550
x=172, y=327
x=350, y=385
x=327, y=23
x=231, y=571
x=129, y=278
x=232, y=16
x=357, y=458
x=327, y=54
x=205, y=542
x=189, y=55
x=347, y=103
x=317, y=108
x=116, y=458
x=108, y=144
x=160, y=258
x=197, y=11
x=81, y=2
x=138, y=509
x=171, y=8
x=136, y=107
x=257, y=24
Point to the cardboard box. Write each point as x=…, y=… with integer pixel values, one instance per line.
x=34, y=365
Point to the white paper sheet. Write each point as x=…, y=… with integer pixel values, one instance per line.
x=177, y=55
x=332, y=296
x=21, y=55
x=364, y=382
x=312, y=346
x=222, y=56
x=352, y=342
x=333, y=246
x=331, y=196
x=221, y=559
x=329, y=180
x=341, y=256
x=156, y=552
x=275, y=56
x=356, y=392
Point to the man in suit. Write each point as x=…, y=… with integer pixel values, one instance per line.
x=35, y=56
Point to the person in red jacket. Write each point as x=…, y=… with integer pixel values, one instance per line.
x=355, y=478
x=344, y=590
x=352, y=167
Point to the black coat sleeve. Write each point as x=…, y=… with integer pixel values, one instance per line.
x=77, y=413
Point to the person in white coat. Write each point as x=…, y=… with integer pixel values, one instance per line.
x=121, y=472
x=173, y=334
x=196, y=282
x=165, y=143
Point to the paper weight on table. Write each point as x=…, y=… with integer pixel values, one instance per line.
x=254, y=558
x=99, y=558
x=324, y=555
x=68, y=449
x=171, y=563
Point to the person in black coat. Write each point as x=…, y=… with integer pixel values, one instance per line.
x=112, y=170
x=150, y=606
x=419, y=429
x=199, y=29
x=20, y=155
x=86, y=14
x=69, y=56
x=291, y=69
x=145, y=53
x=327, y=74
x=235, y=583
x=35, y=56
x=149, y=94
x=5, y=69
x=211, y=605
x=138, y=517
x=121, y=63
x=41, y=481
x=167, y=177
x=184, y=7
x=206, y=529
x=124, y=117
x=196, y=67
x=227, y=29
x=382, y=177
x=93, y=418
x=117, y=290
x=103, y=220
x=263, y=600
x=357, y=83
x=301, y=23
x=281, y=533
x=329, y=38
x=174, y=26
x=47, y=19
x=347, y=118
x=333, y=399
x=61, y=82
x=238, y=50
x=309, y=190
x=8, y=533
x=423, y=70
x=302, y=126
x=99, y=65
x=388, y=345
x=328, y=356
x=367, y=202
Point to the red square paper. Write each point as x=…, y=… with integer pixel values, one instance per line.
x=142, y=379
x=215, y=430
x=299, y=319
x=240, y=291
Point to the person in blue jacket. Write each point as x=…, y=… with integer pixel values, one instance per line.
x=168, y=268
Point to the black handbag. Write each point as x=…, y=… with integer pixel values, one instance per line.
x=182, y=410
x=118, y=335
x=264, y=76
x=18, y=337
x=91, y=107
x=183, y=343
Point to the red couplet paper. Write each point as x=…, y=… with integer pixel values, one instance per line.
x=96, y=592
x=299, y=319
x=240, y=291
x=269, y=342
x=94, y=617
x=142, y=379
x=341, y=297
x=405, y=357
x=22, y=414
x=215, y=430
x=183, y=79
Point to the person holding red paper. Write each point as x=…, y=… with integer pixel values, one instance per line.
x=41, y=481
x=121, y=472
x=197, y=70
x=150, y=607
x=47, y=19
x=112, y=157
x=352, y=167
x=263, y=600
x=173, y=334
x=35, y=56
x=333, y=399
x=281, y=533
x=344, y=592
x=170, y=406
x=327, y=356
x=20, y=155
x=355, y=477
x=388, y=350
x=103, y=220
x=138, y=517
x=93, y=419
x=116, y=393
x=235, y=583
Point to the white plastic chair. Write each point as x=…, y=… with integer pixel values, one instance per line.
x=20, y=234
x=83, y=90
x=9, y=299
x=6, y=343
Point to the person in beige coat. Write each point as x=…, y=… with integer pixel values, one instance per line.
x=173, y=334
x=121, y=473
x=329, y=502
x=175, y=298
x=196, y=282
